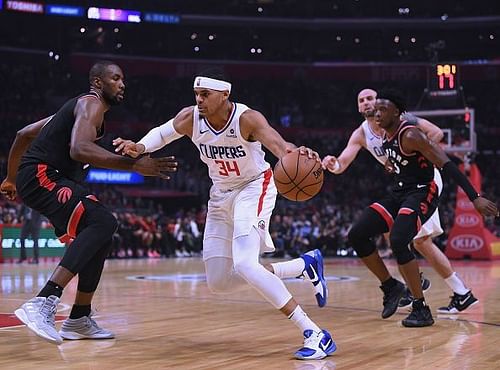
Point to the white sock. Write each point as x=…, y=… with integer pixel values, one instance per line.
x=456, y=284
x=302, y=321
x=289, y=269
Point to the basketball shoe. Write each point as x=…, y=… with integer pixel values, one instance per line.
x=392, y=297
x=459, y=303
x=316, y=345
x=407, y=298
x=419, y=316
x=313, y=271
x=39, y=314
x=84, y=328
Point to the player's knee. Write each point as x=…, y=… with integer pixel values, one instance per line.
x=361, y=243
x=400, y=247
x=101, y=219
x=246, y=269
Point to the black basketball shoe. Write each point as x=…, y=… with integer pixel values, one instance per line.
x=459, y=303
x=419, y=316
x=391, y=298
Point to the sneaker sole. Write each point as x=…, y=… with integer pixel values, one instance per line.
x=77, y=336
x=455, y=310
x=21, y=315
x=321, y=301
x=332, y=349
x=416, y=324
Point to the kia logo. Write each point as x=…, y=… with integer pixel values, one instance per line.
x=467, y=243
x=465, y=204
x=467, y=220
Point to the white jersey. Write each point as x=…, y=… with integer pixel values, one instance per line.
x=373, y=143
x=232, y=161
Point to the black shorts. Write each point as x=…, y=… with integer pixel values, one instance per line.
x=423, y=201
x=61, y=200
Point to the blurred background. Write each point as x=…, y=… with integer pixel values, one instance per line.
x=301, y=63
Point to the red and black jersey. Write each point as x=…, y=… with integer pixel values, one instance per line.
x=52, y=145
x=411, y=170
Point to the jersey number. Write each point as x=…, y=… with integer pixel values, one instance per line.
x=225, y=167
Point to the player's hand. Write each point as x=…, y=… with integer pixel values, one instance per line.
x=389, y=166
x=148, y=166
x=330, y=163
x=8, y=189
x=485, y=207
x=128, y=147
x=311, y=154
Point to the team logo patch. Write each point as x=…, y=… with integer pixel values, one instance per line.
x=261, y=224
x=231, y=133
x=64, y=194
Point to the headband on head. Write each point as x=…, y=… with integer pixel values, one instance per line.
x=211, y=83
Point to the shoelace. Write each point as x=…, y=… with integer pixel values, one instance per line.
x=48, y=311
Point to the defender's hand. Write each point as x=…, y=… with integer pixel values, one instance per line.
x=485, y=207
x=330, y=163
x=128, y=147
x=148, y=166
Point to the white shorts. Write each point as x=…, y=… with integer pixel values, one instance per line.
x=234, y=213
x=432, y=227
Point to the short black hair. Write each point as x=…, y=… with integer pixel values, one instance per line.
x=99, y=68
x=394, y=97
x=215, y=72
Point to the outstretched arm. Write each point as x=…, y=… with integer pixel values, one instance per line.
x=432, y=131
x=339, y=164
x=24, y=138
x=413, y=140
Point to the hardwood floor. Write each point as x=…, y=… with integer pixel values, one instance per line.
x=164, y=317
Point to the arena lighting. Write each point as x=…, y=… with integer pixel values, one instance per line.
x=115, y=15
x=24, y=6
x=64, y=10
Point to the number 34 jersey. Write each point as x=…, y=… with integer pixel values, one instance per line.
x=232, y=161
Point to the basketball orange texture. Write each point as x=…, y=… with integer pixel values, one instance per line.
x=298, y=177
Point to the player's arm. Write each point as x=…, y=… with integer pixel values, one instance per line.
x=339, y=164
x=433, y=132
x=24, y=138
x=89, y=113
x=254, y=127
x=159, y=136
x=414, y=140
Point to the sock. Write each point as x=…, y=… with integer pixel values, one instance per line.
x=456, y=284
x=302, y=321
x=419, y=303
x=389, y=283
x=289, y=269
x=79, y=311
x=51, y=288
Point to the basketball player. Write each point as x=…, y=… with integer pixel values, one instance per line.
x=47, y=163
x=229, y=137
x=369, y=136
x=411, y=203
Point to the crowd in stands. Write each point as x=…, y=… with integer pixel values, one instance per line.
x=320, y=115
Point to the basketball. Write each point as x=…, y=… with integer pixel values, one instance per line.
x=298, y=177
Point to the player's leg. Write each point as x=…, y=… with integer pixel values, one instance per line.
x=308, y=266
x=405, y=227
x=376, y=219
x=246, y=250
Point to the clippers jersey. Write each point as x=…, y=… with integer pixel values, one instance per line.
x=412, y=171
x=52, y=145
x=232, y=161
x=373, y=143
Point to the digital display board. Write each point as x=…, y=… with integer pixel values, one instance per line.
x=64, y=10
x=116, y=15
x=161, y=18
x=24, y=6
x=101, y=176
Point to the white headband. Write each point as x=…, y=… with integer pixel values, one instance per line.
x=211, y=83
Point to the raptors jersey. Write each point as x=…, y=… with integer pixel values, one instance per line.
x=232, y=161
x=373, y=143
x=411, y=170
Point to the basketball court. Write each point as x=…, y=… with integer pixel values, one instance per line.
x=164, y=317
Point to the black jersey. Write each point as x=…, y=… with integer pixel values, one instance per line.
x=411, y=170
x=52, y=145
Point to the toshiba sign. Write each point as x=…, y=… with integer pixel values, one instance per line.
x=467, y=220
x=467, y=243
